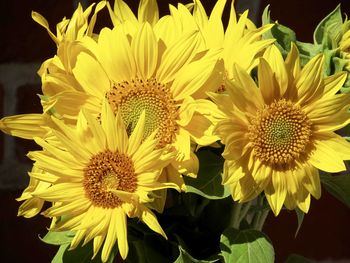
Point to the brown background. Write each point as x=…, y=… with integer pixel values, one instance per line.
x=325, y=233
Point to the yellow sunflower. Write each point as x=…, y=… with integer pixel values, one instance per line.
x=100, y=176
x=279, y=133
x=138, y=74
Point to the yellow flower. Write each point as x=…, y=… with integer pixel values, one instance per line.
x=99, y=176
x=140, y=73
x=278, y=135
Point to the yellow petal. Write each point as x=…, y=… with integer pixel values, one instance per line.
x=268, y=85
x=176, y=56
x=115, y=54
x=121, y=227
x=151, y=221
x=274, y=57
x=312, y=183
x=26, y=126
x=215, y=26
x=293, y=62
x=30, y=207
x=145, y=49
x=111, y=235
x=276, y=192
x=309, y=84
x=122, y=138
x=77, y=239
x=137, y=135
x=148, y=12
x=198, y=77
x=333, y=83
x=304, y=204
x=91, y=76
x=325, y=158
x=123, y=12
x=108, y=124
x=43, y=22
x=98, y=241
x=199, y=14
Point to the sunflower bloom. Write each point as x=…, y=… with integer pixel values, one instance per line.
x=279, y=133
x=99, y=176
x=141, y=74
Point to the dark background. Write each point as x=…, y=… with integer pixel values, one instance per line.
x=325, y=233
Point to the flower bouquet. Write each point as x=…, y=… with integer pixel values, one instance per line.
x=170, y=139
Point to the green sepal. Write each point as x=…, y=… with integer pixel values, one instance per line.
x=338, y=186
x=246, y=246
x=284, y=35
x=328, y=31
x=208, y=181
x=300, y=216
x=58, y=238
x=340, y=64
x=307, y=51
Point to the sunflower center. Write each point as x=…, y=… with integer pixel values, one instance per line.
x=280, y=133
x=136, y=96
x=109, y=170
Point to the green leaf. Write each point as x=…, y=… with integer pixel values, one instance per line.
x=293, y=258
x=185, y=257
x=80, y=254
x=246, y=246
x=338, y=186
x=327, y=30
x=208, y=181
x=300, y=216
x=284, y=35
x=57, y=238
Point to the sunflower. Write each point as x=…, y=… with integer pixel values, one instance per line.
x=98, y=177
x=138, y=74
x=278, y=135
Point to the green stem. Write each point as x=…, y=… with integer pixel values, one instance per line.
x=257, y=216
x=235, y=215
x=245, y=210
x=256, y=220
x=262, y=219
